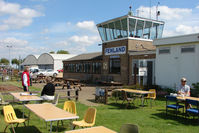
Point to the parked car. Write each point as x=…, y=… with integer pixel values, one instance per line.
x=60, y=70
x=41, y=72
x=50, y=72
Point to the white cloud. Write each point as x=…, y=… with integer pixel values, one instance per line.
x=13, y=42
x=84, y=40
x=87, y=25
x=197, y=6
x=178, y=21
x=166, y=12
x=16, y=17
x=187, y=29
x=19, y=48
x=78, y=44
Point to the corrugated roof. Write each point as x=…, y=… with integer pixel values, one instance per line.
x=30, y=60
x=87, y=56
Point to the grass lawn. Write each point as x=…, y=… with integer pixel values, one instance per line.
x=113, y=115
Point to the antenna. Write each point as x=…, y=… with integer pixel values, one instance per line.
x=130, y=12
x=150, y=10
x=157, y=12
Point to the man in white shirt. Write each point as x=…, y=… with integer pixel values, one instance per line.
x=183, y=88
x=25, y=79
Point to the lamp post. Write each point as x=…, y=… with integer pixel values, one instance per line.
x=9, y=47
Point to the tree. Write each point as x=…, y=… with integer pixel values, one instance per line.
x=4, y=61
x=51, y=52
x=62, y=52
x=15, y=61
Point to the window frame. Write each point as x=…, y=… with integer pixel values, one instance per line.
x=165, y=48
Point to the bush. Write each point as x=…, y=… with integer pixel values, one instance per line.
x=195, y=89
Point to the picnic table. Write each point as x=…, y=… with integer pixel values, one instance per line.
x=186, y=97
x=98, y=129
x=25, y=97
x=140, y=92
x=58, y=81
x=72, y=81
x=40, y=79
x=49, y=113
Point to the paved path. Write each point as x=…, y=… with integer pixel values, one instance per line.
x=86, y=96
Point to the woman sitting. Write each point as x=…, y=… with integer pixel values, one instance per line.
x=48, y=90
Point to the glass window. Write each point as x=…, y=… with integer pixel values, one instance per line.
x=107, y=33
x=101, y=31
x=153, y=34
x=188, y=49
x=118, y=29
x=114, y=65
x=124, y=27
x=160, y=30
x=139, y=28
x=132, y=23
x=146, y=32
x=112, y=31
x=164, y=50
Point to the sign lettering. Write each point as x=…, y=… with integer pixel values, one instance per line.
x=115, y=50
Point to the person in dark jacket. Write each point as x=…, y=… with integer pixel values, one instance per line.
x=48, y=90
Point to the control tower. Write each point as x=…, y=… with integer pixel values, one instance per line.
x=122, y=36
x=130, y=27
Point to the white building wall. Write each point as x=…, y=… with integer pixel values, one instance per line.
x=170, y=68
x=58, y=64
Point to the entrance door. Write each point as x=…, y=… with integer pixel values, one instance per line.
x=149, y=72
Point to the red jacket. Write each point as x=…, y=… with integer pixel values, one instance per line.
x=28, y=77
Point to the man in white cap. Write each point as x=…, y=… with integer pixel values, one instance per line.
x=183, y=88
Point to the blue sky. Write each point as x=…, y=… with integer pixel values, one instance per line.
x=38, y=26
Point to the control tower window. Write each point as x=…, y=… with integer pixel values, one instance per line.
x=147, y=28
x=124, y=27
x=139, y=29
x=132, y=23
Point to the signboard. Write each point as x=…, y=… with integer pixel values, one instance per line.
x=142, y=71
x=115, y=50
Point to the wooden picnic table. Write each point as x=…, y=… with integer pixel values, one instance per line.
x=72, y=81
x=58, y=81
x=49, y=113
x=98, y=129
x=141, y=92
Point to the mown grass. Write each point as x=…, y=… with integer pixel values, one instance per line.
x=113, y=115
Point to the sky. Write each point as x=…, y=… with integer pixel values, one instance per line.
x=38, y=26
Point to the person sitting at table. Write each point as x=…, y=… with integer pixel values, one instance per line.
x=184, y=89
x=48, y=90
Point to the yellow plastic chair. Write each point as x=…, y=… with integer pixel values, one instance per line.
x=11, y=118
x=152, y=95
x=70, y=106
x=89, y=119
